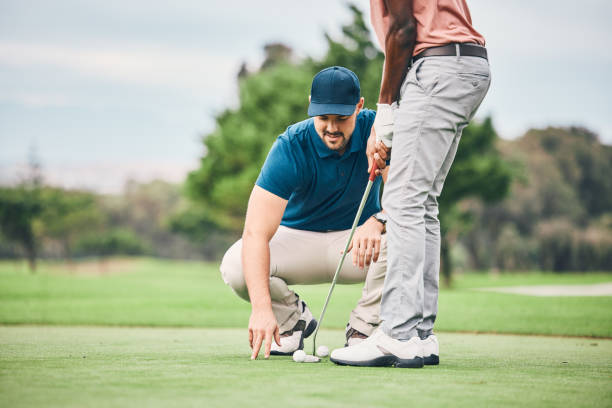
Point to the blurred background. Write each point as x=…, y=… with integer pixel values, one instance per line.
x=138, y=128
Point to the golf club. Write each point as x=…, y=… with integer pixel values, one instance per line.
x=366, y=193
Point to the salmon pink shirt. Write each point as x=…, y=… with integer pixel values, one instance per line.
x=439, y=22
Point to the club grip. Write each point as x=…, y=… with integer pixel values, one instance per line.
x=373, y=171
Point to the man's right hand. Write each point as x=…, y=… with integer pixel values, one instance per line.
x=377, y=151
x=263, y=329
x=383, y=123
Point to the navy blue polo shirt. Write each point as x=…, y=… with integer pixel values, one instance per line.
x=323, y=188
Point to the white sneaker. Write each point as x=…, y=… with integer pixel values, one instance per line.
x=380, y=350
x=293, y=339
x=431, y=350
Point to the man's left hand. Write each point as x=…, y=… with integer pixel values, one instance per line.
x=366, y=243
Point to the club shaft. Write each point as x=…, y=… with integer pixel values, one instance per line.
x=348, y=242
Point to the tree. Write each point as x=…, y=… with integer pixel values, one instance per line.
x=556, y=216
x=19, y=208
x=356, y=51
x=67, y=214
x=146, y=210
x=478, y=171
x=269, y=101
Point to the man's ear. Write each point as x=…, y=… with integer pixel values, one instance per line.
x=359, y=106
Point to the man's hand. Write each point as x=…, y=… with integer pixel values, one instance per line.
x=366, y=243
x=383, y=123
x=264, y=214
x=262, y=330
x=377, y=151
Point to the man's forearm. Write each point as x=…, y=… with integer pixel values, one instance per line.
x=256, y=268
x=399, y=46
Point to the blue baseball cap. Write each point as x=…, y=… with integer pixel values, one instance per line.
x=334, y=91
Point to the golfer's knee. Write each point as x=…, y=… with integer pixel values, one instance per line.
x=409, y=210
x=407, y=216
x=231, y=271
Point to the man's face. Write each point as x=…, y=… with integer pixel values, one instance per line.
x=336, y=130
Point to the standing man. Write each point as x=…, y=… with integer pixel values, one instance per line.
x=435, y=76
x=299, y=217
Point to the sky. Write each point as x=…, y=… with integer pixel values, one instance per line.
x=103, y=91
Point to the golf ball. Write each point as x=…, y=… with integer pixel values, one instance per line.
x=299, y=356
x=322, y=351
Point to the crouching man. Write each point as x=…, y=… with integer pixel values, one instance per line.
x=299, y=217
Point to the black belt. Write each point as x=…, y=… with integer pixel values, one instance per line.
x=464, y=50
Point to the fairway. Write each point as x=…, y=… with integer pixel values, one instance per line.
x=150, y=292
x=79, y=367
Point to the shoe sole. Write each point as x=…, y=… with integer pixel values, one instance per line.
x=310, y=328
x=307, y=332
x=431, y=360
x=384, y=361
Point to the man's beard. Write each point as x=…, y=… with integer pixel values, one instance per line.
x=340, y=141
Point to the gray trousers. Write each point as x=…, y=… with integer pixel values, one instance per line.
x=438, y=98
x=300, y=257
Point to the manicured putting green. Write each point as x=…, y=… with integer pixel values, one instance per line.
x=108, y=367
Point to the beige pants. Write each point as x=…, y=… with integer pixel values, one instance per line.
x=306, y=258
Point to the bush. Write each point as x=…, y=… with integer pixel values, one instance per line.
x=564, y=247
x=113, y=242
x=514, y=251
x=593, y=249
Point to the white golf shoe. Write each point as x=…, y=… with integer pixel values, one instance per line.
x=293, y=339
x=431, y=350
x=380, y=350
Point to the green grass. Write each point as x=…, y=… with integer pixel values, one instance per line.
x=147, y=292
x=204, y=359
x=112, y=367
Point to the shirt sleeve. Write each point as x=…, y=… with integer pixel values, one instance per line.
x=279, y=174
x=369, y=116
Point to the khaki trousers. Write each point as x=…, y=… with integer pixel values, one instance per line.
x=300, y=257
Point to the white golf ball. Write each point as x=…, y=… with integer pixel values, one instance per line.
x=299, y=356
x=322, y=351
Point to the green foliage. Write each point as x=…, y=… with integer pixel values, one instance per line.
x=36, y=217
x=356, y=51
x=67, y=214
x=59, y=223
x=583, y=163
x=19, y=209
x=478, y=170
x=112, y=242
x=563, y=247
x=556, y=215
x=146, y=209
x=269, y=102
